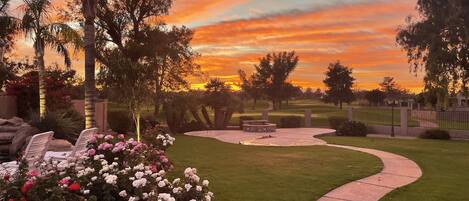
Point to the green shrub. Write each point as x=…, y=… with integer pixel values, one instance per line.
x=120, y=121
x=244, y=118
x=290, y=122
x=192, y=126
x=352, y=128
x=336, y=122
x=66, y=124
x=435, y=134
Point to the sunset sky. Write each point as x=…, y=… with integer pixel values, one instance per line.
x=234, y=34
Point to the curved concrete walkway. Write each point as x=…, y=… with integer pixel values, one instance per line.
x=398, y=171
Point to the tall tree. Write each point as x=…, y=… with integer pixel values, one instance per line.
x=131, y=81
x=8, y=27
x=437, y=40
x=219, y=97
x=339, y=83
x=375, y=97
x=136, y=29
x=89, y=13
x=251, y=86
x=273, y=71
x=38, y=26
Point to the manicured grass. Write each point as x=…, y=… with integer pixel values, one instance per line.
x=321, y=112
x=250, y=173
x=445, y=166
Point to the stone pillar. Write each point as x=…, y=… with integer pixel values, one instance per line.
x=265, y=115
x=308, y=118
x=350, y=113
x=404, y=120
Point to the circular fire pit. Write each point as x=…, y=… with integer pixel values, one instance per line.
x=259, y=126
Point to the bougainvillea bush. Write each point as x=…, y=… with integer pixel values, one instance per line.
x=112, y=169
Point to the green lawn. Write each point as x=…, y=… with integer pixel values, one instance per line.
x=250, y=173
x=445, y=166
x=321, y=112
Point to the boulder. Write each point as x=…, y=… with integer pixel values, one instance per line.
x=20, y=139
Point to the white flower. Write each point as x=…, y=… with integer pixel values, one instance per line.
x=123, y=194
x=111, y=179
x=205, y=183
x=94, y=178
x=139, y=183
x=165, y=197
x=188, y=187
x=161, y=184
x=86, y=192
x=145, y=195
x=198, y=188
x=139, y=175
x=176, y=181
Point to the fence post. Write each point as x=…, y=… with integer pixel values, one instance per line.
x=265, y=115
x=404, y=121
x=350, y=113
x=308, y=118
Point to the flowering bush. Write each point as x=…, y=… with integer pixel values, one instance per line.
x=113, y=168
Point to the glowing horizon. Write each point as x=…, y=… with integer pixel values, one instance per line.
x=234, y=34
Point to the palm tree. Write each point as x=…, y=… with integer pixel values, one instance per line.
x=37, y=25
x=8, y=27
x=89, y=13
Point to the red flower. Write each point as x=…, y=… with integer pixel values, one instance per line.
x=32, y=173
x=26, y=187
x=6, y=177
x=74, y=187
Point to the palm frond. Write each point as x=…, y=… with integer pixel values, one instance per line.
x=8, y=25
x=66, y=34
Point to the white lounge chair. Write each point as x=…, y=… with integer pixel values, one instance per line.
x=79, y=148
x=34, y=152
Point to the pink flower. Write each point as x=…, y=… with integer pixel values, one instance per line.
x=105, y=146
x=93, y=140
x=108, y=137
x=154, y=168
x=164, y=159
x=91, y=152
x=64, y=181
x=121, y=136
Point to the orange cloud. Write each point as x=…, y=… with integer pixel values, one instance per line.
x=362, y=36
x=187, y=11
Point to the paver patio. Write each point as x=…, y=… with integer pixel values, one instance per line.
x=398, y=171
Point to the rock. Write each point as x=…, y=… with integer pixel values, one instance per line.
x=20, y=139
x=60, y=145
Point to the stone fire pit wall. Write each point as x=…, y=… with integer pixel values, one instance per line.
x=259, y=126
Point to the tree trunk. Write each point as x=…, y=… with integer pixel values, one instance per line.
x=227, y=118
x=340, y=105
x=254, y=104
x=157, y=100
x=89, y=8
x=196, y=116
x=206, y=117
x=39, y=51
x=219, y=119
